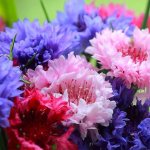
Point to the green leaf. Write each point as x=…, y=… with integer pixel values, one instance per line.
x=93, y=61
x=147, y=12
x=11, y=48
x=25, y=81
x=44, y=10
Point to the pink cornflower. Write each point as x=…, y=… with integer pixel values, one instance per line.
x=86, y=91
x=124, y=57
x=56, y=68
x=88, y=95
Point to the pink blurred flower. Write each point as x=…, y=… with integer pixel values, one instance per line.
x=119, y=10
x=124, y=57
x=114, y=9
x=90, y=8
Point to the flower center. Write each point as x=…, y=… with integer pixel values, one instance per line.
x=137, y=55
x=77, y=90
x=43, y=129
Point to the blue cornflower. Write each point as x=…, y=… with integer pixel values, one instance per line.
x=137, y=113
x=142, y=137
x=125, y=132
x=86, y=24
x=112, y=137
x=138, y=126
x=36, y=44
x=120, y=23
x=77, y=139
x=79, y=21
x=144, y=132
x=137, y=144
x=9, y=84
x=121, y=94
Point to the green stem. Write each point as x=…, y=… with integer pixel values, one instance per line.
x=144, y=25
x=3, y=140
x=12, y=47
x=44, y=10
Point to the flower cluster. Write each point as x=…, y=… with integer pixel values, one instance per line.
x=52, y=95
x=35, y=44
x=86, y=21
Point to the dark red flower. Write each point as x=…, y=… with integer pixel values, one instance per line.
x=36, y=123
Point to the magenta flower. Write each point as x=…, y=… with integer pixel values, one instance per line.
x=115, y=9
x=35, y=123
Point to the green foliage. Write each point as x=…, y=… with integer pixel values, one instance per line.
x=147, y=13
x=9, y=11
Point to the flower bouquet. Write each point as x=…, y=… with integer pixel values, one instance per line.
x=79, y=82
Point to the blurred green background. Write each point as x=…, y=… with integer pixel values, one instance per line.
x=12, y=10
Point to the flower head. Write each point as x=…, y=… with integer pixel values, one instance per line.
x=132, y=63
x=88, y=93
x=9, y=84
x=121, y=94
x=36, y=122
x=57, y=68
x=144, y=131
x=37, y=44
x=84, y=24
